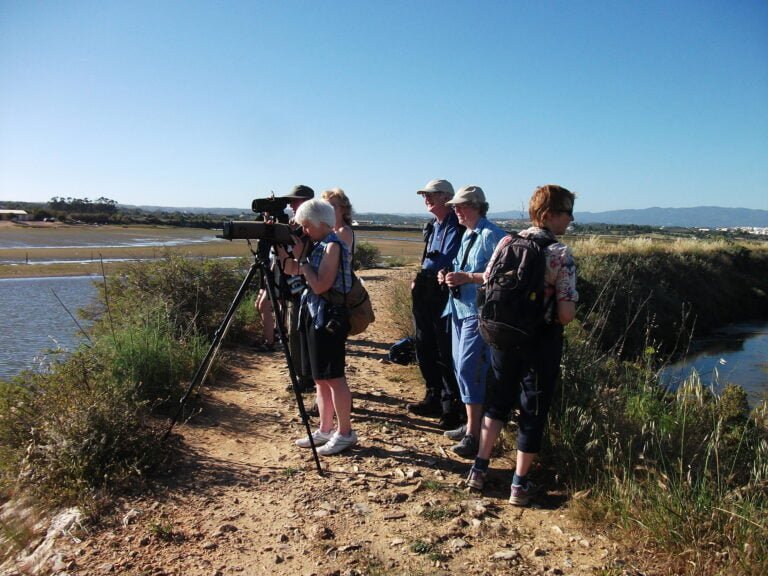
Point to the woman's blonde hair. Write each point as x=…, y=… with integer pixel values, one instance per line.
x=549, y=198
x=338, y=195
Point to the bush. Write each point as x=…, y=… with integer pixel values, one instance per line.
x=146, y=355
x=196, y=292
x=366, y=256
x=74, y=433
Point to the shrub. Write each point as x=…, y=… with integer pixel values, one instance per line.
x=75, y=432
x=145, y=355
x=366, y=256
x=196, y=292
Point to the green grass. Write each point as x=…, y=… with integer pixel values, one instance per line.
x=439, y=513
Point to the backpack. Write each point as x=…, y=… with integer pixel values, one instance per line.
x=510, y=304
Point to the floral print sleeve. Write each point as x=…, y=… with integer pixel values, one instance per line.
x=561, y=272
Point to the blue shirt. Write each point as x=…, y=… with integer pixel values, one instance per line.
x=445, y=239
x=488, y=235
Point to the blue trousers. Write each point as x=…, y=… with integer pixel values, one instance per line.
x=470, y=359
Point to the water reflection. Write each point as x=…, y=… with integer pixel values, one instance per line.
x=34, y=320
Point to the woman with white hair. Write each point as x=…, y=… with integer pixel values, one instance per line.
x=326, y=263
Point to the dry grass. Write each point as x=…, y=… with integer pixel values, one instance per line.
x=644, y=245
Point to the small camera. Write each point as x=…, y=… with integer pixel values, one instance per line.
x=336, y=319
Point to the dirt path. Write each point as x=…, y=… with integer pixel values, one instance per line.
x=244, y=500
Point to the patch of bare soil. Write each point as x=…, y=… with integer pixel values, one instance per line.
x=241, y=498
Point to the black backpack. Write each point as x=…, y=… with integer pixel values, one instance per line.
x=511, y=303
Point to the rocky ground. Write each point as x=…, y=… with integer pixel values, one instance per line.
x=239, y=498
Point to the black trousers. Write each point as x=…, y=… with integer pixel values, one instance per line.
x=526, y=379
x=433, y=342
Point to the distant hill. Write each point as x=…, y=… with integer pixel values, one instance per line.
x=696, y=217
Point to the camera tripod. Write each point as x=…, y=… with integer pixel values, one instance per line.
x=259, y=265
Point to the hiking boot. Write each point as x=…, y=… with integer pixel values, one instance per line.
x=467, y=447
x=338, y=443
x=450, y=421
x=427, y=407
x=476, y=479
x=521, y=495
x=319, y=437
x=456, y=433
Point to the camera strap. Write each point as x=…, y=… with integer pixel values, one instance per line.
x=472, y=238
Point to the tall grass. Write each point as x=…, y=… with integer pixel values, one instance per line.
x=398, y=304
x=669, y=289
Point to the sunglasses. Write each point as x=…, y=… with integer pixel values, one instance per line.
x=569, y=212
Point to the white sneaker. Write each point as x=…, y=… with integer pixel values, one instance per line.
x=319, y=437
x=338, y=443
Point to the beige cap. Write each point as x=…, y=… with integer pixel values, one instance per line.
x=468, y=194
x=433, y=186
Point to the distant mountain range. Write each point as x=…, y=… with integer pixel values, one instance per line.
x=695, y=217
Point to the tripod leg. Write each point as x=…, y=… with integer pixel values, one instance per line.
x=205, y=366
x=294, y=380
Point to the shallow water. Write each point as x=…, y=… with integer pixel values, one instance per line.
x=102, y=237
x=736, y=353
x=35, y=321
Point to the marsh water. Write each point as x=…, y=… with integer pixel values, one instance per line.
x=736, y=353
x=35, y=321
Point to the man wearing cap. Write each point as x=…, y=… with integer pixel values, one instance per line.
x=442, y=237
x=292, y=287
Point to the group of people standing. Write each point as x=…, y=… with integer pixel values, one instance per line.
x=471, y=387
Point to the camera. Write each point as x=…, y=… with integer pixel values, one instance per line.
x=276, y=233
x=456, y=290
x=275, y=206
x=337, y=318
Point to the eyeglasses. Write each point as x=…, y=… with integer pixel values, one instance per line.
x=569, y=212
x=462, y=206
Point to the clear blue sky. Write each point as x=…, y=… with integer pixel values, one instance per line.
x=629, y=104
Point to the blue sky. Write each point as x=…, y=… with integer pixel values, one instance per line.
x=629, y=104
